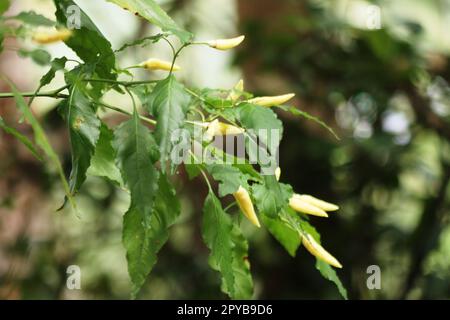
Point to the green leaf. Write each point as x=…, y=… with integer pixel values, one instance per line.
x=284, y=231
x=33, y=19
x=143, y=92
x=243, y=282
x=143, y=42
x=134, y=145
x=41, y=139
x=56, y=65
x=330, y=274
x=142, y=242
x=39, y=56
x=230, y=178
x=271, y=196
x=228, y=249
x=23, y=139
x=84, y=131
x=169, y=104
x=103, y=162
x=256, y=118
x=4, y=6
x=308, y=116
x=88, y=42
x=193, y=170
x=151, y=11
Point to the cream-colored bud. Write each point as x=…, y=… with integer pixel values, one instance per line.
x=278, y=173
x=318, y=251
x=217, y=128
x=302, y=206
x=52, y=36
x=245, y=204
x=272, y=100
x=326, y=206
x=225, y=44
x=236, y=92
x=156, y=64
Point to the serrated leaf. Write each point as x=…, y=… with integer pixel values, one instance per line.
x=41, y=139
x=243, y=282
x=261, y=118
x=141, y=42
x=103, y=162
x=88, y=42
x=330, y=274
x=169, y=103
x=217, y=227
x=285, y=232
x=271, y=196
x=33, y=19
x=143, y=92
x=23, y=139
x=143, y=242
x=308, y=116
x=84, y=131
x=56, y=65
x=151, y=11
x=228, y=249
x=134, y=145
x=39, y=56
x=229, y=177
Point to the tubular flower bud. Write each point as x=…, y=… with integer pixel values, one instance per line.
x=299, y=205
x=271, y=101
x=318, y=251
x=156, y=64
x=245, y=203
x=225, y=44
x=52, y=36
x=278, y=173
x=217, y=128
x=326, y=206
x=236, y=92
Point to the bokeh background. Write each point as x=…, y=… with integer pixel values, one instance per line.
x=375, y=71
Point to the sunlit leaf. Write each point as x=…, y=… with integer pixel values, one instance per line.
x=151, y=11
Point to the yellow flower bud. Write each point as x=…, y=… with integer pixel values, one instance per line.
x=299, y=205
x=318, y=251
x=156, y=64
x=278, y=173
x=236, y=92
x=225, y=44
x=52, y=36
x=245, y=204
x=271, y=101
x=217, y=128
x=326, y=206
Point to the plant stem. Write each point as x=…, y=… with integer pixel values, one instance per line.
x=108, y=106
x=51, y=94
x=123, y=83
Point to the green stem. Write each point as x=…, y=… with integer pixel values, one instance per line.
x=51, y=94
x=123, y=83
x=108, y=106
